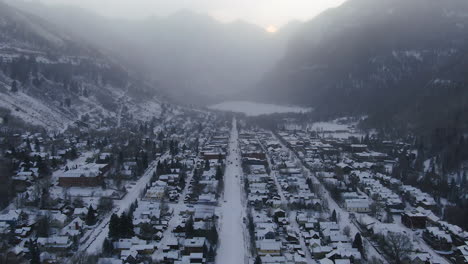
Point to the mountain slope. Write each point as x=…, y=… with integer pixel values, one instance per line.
x=188, y=53
x=50, y=79
x=387, y=58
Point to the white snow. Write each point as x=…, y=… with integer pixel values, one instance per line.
x=231, y=235
x=256, y=109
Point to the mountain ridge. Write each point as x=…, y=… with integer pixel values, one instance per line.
x=373, y=57
x=186, y=53
x=52, y=80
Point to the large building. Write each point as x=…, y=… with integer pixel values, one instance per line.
x=87, y=175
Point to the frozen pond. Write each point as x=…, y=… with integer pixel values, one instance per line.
x=256, y=109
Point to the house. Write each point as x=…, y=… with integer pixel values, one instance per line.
x=366, y=223
x=194, y=245
x=414, y=219
x=54, y=243
x=157, y=191
x=437, y=238
x=87, y=175
x=143, y=248
x=192, y=258
x=461, y=254
x=273, y=259
x=269, y=247
x=109, y=261
x=357, y=205
x=11, y=217
x=420, y=258
x=459, y=236
x=47, y=258
x=74, y=228
x=321, y=251
x=344, y=253
x=207, y=199
x=126, y=244
x=279, y=213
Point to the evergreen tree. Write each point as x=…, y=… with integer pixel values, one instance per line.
x=219, y=173
x=357, y=243
x=189, y=230
x=126, y=225
x=107, y=248
x=34, y=252
x=211, y=254
x=91, y=216
x=333, y=216
x=43, y=226
x=114, y=227
x=14, y=86
x=258, y=260
x=212, y=235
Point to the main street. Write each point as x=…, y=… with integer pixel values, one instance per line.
x=232, y=249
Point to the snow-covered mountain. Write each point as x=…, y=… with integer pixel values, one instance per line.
x=188, y=53
x=396, y=59
x=51, y=79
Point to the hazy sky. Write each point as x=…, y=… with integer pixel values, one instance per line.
x=261, y=12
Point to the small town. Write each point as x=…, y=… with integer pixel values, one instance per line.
x=205, y=188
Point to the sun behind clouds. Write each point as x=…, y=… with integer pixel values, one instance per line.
x=271, y=29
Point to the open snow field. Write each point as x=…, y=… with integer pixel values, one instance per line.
x=256, y=109
x=231, y=236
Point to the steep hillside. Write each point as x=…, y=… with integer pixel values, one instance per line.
x=397, y=60
x=50, y=79
x=187, y=53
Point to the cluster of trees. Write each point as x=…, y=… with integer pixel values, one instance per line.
x=173, y=147
x=220, y=178
x=6, y=188
x=105, y=204
x=435, y=180
x=251, y=228
x=166, y=167
x=211, y=235
x=27, y=68
x=121, y=226
x=197, y=187
x=34, y=252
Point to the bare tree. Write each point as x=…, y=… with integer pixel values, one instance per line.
x=83, y=258
x=347, y=231
x=376, y=208
x=398, y=246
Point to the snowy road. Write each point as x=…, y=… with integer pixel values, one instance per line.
x=232, y=247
